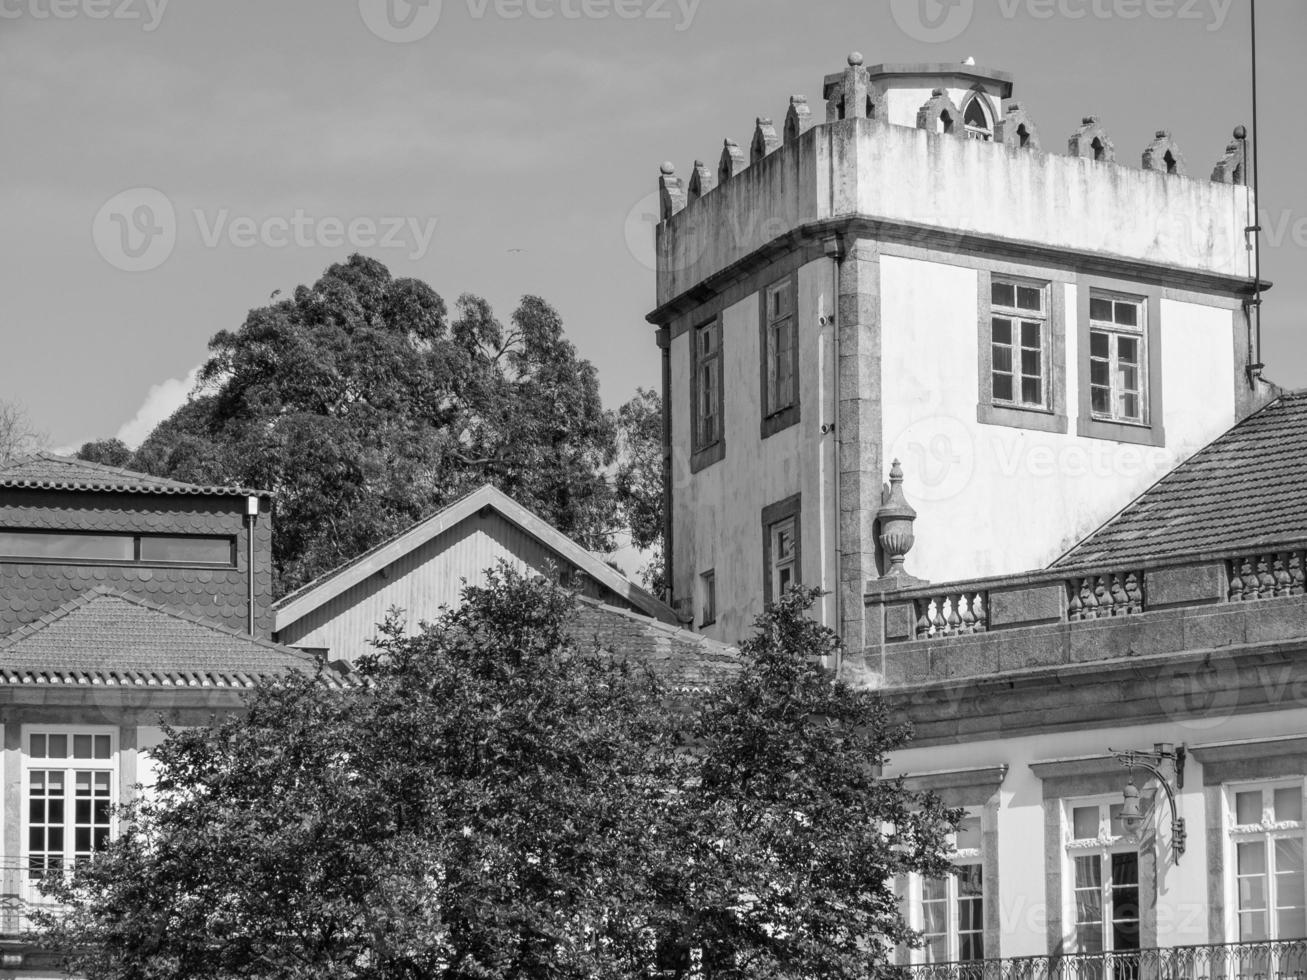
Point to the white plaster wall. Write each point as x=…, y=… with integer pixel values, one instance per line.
x=909, y=94
x=994, y=499
x=147, y=737
x=717, y=512
x=1181, y=888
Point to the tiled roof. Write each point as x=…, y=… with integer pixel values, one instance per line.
x=686, y=662
x=1246, y=489
x=105, y=637
x=46, y=471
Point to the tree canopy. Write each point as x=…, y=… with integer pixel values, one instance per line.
x=364, y=406
x=501, y=799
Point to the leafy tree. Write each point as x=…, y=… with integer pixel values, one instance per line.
x=110, y=452
x=639, y=479
x=499, y=800
x=363, y=408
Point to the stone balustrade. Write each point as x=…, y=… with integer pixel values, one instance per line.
x=1267, y=575
x=951, y=614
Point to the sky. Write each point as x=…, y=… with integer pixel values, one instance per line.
x=170, y=165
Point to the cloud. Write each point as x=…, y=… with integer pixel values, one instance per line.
x=161, y=401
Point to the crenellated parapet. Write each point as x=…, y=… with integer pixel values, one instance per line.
x=849, y=94
x=671, y=196
x=732, y=161
x=1163, y=156
x=1091, y=142
x=1016, y=129
x=939, y=114
x=798, y=118
x=701, y=181
x=764, y=140
x=1230, y=169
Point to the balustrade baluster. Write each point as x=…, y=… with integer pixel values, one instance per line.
x=1073, y=607
x=1088, y=601
x=1295, y=573
x=1134, y=594
x=1236, y=582
x=1103, y=595
x=968, y=617
x=981, y=613
x=1265, y=580
x=1120, y=601
x=1249, y=578
x=1281, y=575
x=954, y=620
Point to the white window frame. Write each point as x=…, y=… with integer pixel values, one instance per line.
x=1115, y=332
x=1268, y=830
x=779, y=563
x=69, y=766
x=781, y=319
x=1103, y=847
x=916, y=892
x=1017, y=318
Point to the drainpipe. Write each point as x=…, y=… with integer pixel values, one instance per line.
x=664, y=338
x=251, y=512
x=836, y=250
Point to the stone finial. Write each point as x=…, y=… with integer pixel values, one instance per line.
x=1164, y=156
x=940, y=115
x=895, y=517
x=1229, y=169
x=1091, y=142
x=798, y=118
x=732, y=161
x=1016, y=129
x=764, y=140
x=849, y=94
x=670, y=192
x=701, y=181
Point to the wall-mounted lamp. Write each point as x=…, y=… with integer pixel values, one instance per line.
x=1132, y=816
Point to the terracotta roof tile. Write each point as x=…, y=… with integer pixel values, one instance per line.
x=46, y=471
x=105, y=637
x=1247, y=489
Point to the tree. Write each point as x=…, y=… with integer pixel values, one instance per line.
x=794, y=832
x=364, y=409
x=497, y=800
x=18, y=436
x=110, y=452
x=639, y=480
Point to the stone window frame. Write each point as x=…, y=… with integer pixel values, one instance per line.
x=975, y=790
x=1224, y=763
x=1087, y=778
x=789, y=508
x=707, y=598
x=1102, y=847
x=1052, y=417
x=704, y=455
x=775, y=420
x=1150, y=432
x=987, y=107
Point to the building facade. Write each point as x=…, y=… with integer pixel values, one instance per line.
x=919, y=276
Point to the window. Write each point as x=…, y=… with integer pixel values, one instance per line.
x=1117, y=365
x=781, y=547
x=154, y=549
x=1104, y=880
x=952, y=908
x=71, y=786
x=707, y=384
x=780, y=356
x=976, y=120
x=1019, y=344
x=708, y=597
x=1267, y=832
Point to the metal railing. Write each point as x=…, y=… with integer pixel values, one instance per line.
x=1279, y=960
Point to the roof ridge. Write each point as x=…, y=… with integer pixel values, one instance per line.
x=72, y=470
x=668, y=628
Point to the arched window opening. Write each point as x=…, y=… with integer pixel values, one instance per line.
x=945, y=122
x=1169, y=159
x=1098, y=148
x=976, y=121
x=1023, y=135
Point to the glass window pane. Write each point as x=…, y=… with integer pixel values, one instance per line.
x=968, y=837
x=1252, y=857
x=1252, y=892
x=1127, y=350
x=1030, y=363
x=82, y=746
x=1291, y=924
x=1288, y=856
x=1100, y=309
x=89, y=547
x=1003, y=359
x=1252, y=927
x=1130, y=407
x=1030, y=298
x=1089, y=872
x=1098, y=344
x=1248, y=807
x=970, y=879
x=1030, y=335
x=58, y=745
x=196, y=551
x=1127, y=314
x=1084, y=822
x=102, y=746
x=1288, y=803
x=1003, y=387
x=1032, y=391
x=934, y=889
x=1002, y=294
x=38, y=746
x=1117, y=829
x=1002, y=330
x=1125, y=869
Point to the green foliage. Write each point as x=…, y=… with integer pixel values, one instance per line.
x=500, y=800
x=363, y=408
x=639, y=478
x=110, y=452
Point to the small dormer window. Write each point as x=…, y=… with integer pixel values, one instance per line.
x=976, y=120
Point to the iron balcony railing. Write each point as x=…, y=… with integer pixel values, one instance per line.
x=1279, y=960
